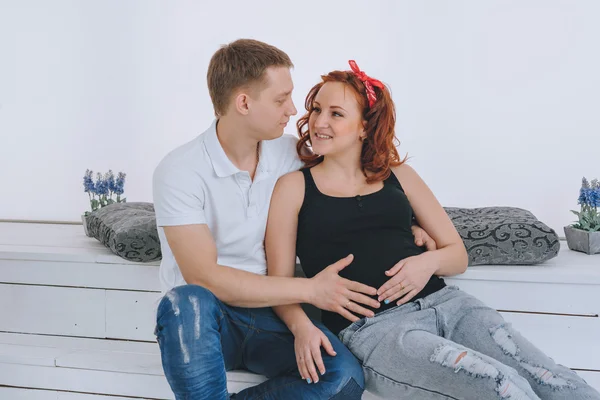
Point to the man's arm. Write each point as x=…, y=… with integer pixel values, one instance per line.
x=422, y=238
x=179, y=202
x=196, y=254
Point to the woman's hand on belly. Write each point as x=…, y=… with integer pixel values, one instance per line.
x=408, y=278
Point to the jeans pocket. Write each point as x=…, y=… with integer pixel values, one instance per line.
x=351, y=333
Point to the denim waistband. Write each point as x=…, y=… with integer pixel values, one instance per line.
x=411, y=306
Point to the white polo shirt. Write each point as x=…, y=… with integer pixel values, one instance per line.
x=197, y=184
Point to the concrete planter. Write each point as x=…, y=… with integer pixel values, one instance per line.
x=584, y=241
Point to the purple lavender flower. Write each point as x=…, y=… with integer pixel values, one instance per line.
x=584, y=183
x=119, y=186
x=88, y=182
x=585, y=194
x=584, y=197
x=589, y=198
x=101, y=185
x=595, y=193
x=109, y=177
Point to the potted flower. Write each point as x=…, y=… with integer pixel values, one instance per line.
x=584, y=235
x=102, y=191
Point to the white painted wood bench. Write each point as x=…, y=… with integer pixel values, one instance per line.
x=77, y=321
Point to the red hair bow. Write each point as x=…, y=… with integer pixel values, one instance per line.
x=367, y=81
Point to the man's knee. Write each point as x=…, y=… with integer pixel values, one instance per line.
x=185, y=302
x=347, y=377
x=351, y=390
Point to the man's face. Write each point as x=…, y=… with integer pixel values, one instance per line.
x=270, y=108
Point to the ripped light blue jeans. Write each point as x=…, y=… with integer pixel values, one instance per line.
x=449, y=345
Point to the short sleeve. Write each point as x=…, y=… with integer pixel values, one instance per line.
x=178, y=196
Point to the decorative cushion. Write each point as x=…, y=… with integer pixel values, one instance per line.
x=128, y=230
x=492, y=235
x=504, y=235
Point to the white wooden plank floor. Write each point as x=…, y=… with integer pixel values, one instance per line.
x=116, y=368
x=8, y=393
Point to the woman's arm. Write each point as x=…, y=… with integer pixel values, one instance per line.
x=280, y=247
x=280, y=240
x=451, y=257
x=410, y=275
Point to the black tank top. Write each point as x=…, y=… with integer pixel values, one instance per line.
x=375, y=228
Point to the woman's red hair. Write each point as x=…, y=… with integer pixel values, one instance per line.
x=379, y=153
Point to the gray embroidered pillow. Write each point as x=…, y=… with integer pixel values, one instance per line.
x=504, y=235
x=128, y=230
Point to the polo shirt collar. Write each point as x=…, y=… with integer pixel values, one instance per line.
x=221, y=163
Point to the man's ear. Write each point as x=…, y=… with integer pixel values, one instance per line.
x=242, y=103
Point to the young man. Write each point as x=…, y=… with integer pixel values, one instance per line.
x=212, y=197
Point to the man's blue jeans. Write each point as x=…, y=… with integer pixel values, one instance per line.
x=201, y=338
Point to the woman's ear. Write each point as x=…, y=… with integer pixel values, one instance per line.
x=363, y=134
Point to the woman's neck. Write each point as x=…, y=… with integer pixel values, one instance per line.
x=348, y=169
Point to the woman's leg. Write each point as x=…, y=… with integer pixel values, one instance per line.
x=466, y=320
x=403, y=356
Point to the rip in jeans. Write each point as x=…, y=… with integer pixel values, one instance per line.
x=174, y=300
x=463, y=360
x=543, y=376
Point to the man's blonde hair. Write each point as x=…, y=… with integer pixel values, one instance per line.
x=240, y=64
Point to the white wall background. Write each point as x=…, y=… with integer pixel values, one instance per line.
x=497, y=101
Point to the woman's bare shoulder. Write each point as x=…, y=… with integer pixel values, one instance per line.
x=292, y=179
x=290, y=188
x=405, y=172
